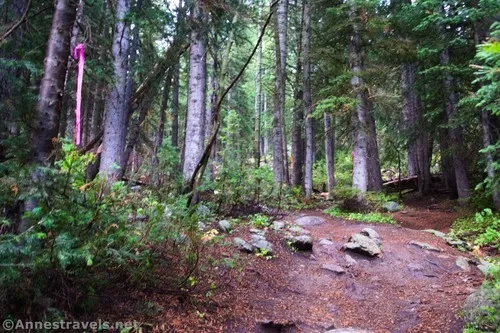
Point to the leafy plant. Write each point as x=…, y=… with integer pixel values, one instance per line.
x=482, y=228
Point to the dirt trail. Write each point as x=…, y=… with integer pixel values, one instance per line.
x=408, y=289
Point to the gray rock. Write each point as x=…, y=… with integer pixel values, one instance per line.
x=333, y=268
x=483, y=266
x=203, y=211
x=242, y=245
x=479, y=304
x=257, y=237
x=325, y=242
x=362, y=244
x=349, y=260
x=257, y=231
x=278, y=225
x=458, y=243
x=301, y=243
x=262, y=245
x=348, y=330
x=436, y=233
x=369, y=232
x=425, y=246
x=201, y=226
x=391, y=206
x=463, y=263
x=310, y=221
x=298, y=230
x=224, y=226
x=415, y=267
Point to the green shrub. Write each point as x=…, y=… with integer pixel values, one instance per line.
x=482, y=228
x=81, y=240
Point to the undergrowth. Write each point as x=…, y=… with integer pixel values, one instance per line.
x=482, y=228
x=373, y=217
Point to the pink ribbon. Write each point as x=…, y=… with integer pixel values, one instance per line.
x=79, y=54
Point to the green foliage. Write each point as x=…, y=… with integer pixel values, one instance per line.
x=487, y=318
x=482, y=228
x=83, y=238
x=362, y=217
x=260, y=221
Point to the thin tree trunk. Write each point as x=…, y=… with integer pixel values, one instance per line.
x=175, y=108
x=307, y=98
x=330, y=152
x=155, y=162
x=116, y=105
x=298, y=113
x=194, y=143
x=67, y=128
x=258, y=98
x=456, y=131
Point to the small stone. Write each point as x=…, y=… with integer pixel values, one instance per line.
x=301, y=243
x=263, y=246
x=415, y=267
x=325, y=242
x=362, y=244
x=369, y=232
x=278, y=225
x=257, y=231
x=391, y=206
x=425, y=246
x=463, y=263
x=483, y=266
x=350, y=260
x=333, y=268
x=435, y=233
x=224, y=226
x=299, y=230
x=242, y=245
x=310, y=221
x=202, y=226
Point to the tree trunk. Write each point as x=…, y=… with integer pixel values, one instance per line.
x=456, y=131
x=46, y=124
x=258, y=98
x=279, y=129
x=330, y=152
x=67, y=127
x=116, y=106
x=298, y=113
x=175, y=107
x=307, y=99
x=366, y=166
x=193, y=146
x=447, y=170
x=418, y=151
x=155, y=162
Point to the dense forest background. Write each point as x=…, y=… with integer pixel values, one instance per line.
x=202, y=108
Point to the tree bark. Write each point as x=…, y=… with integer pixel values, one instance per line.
x=195, y=121
x=46, y=124
x=160, y=130
x=298, y=114
x=330, y=152
x=116, y=105
x=307, y=99
x=366, y=166
x=456, y=131
x=447, y=170
x=258, y=98
x=418, y=151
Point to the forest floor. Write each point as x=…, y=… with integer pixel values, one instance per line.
x=406, y=289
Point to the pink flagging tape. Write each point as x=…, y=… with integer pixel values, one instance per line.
x=79, y=54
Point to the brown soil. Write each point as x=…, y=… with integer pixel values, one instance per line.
x=292, y=293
